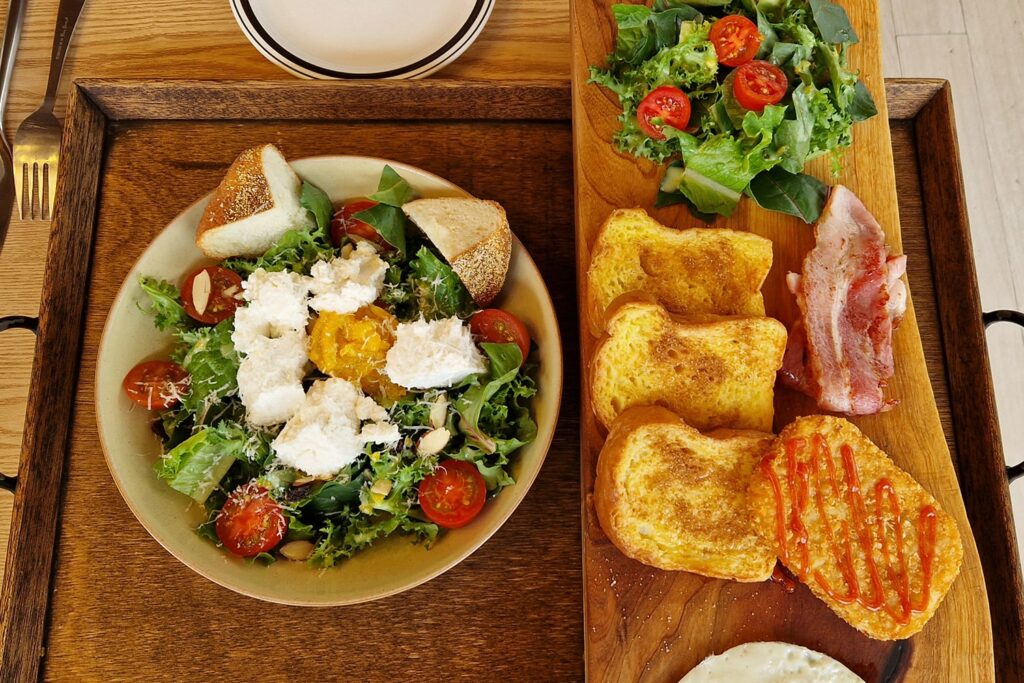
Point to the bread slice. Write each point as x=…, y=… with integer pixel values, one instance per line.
x=473, y=236
x=713, y=372
x=255, y=204
x=812, y=458
x=675, y=499
x=695, y=271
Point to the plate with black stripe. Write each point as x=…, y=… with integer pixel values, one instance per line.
x=358, y=39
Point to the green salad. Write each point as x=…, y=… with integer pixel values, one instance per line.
x=357, y=457
x=736, y=96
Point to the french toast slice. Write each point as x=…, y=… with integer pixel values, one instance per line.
x=673, y=498
x=823, y=495
x=696, y=271
x=712, y=371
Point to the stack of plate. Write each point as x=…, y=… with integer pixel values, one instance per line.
x=362, y=38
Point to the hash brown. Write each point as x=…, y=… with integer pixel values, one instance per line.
x=847, y=487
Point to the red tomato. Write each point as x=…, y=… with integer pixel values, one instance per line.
x=758, y=84
x=500, y=327
x=344, y=224
x=156, y=384
x=224, y=297
x=454, y=494
x=250, y=522
x=736, y=40
x=668, y=103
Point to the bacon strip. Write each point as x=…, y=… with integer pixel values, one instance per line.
x=851, y=298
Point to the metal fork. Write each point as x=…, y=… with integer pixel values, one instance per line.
x=37, y=141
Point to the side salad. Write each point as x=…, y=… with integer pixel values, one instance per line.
x=294, y=406
x=737, y=95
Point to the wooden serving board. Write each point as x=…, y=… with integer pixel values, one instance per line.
x=88, y=595
x=651, y=625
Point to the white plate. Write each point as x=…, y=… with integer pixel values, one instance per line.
x=388, y=567
x=362, y=38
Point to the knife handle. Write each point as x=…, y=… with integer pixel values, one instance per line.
x=67, y=18
x=12, y=34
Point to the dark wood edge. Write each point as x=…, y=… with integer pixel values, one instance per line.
x=981, y=464
x=326, y=100
x=30, y=550
x=907, y=96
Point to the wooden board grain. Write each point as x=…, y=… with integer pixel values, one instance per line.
x=644, y=624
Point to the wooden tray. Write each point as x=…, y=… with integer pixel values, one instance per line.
x=135, y=155
x=646, y=624
x=88, y=594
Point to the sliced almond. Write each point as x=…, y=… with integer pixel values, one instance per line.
x=439, y=412
x=297, y=550
x=302, y=481
x=201, y=286
x=381, y=487
x=433, y=442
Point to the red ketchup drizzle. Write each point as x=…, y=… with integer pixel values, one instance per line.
x=841, y=545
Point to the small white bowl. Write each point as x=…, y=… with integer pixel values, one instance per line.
x=388, y=567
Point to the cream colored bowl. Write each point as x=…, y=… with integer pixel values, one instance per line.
x=391, y=566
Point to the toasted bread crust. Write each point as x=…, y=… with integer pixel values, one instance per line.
x=690, y=502
x=242, y=193
x=713, y=371
x=483, y=268
x=693, y=271
x=872, y=466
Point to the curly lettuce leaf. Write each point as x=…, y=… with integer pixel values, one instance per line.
x=209, y=356
x=165, y=304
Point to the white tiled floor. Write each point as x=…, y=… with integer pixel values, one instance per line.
x=952, y=39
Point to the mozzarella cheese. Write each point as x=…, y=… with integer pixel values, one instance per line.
x=326, y=433
x=270, y=378
x=770, y=663
x=346, y=284
x=271, y=333
x=438, y=353
x=277, y=304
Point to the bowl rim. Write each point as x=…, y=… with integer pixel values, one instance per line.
x=519, y=250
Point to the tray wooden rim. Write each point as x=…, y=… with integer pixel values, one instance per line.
x=94, y=103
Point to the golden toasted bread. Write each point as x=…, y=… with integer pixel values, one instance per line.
x=673, y=498
x=846, y=490
x=713, y=371
x=696, y=271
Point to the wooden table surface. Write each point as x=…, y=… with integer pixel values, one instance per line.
x=165, y=39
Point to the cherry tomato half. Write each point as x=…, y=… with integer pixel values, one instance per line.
x=736, y=40
x=223, y=297
x=156, y=384
x=668, y=103
x=250, y=522
x=496, y=326
x=758, y=84
x=453, y=494
x=343, y=224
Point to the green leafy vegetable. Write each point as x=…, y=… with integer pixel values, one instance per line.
x=726, y=146
x=796, y=194
x=317, y=203
x=388, y=221
x=209, y=356
x=198, y=464
x=392, y=189
x=165, y=304
x=297, y=250
x=832, y=22
x=438, y=290
x=488, y=407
